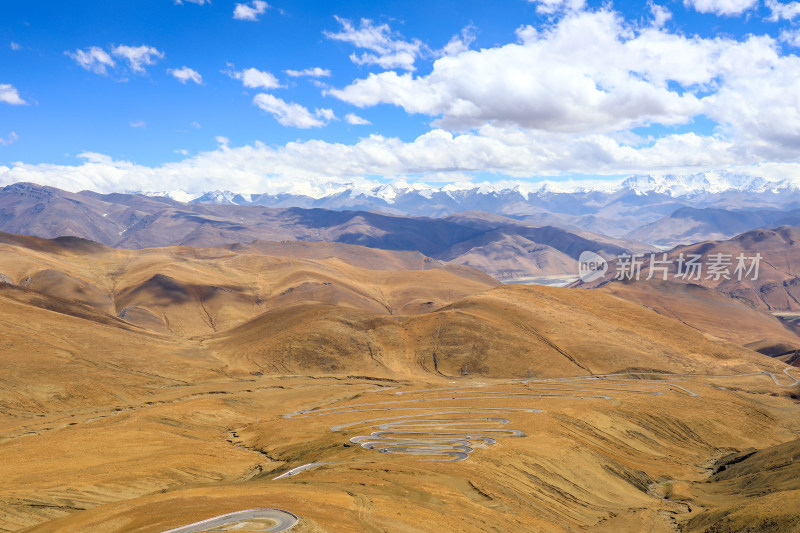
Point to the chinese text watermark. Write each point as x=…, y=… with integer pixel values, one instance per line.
x=686, y=267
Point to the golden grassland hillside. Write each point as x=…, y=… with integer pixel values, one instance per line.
x=712, y=312
x=144, y=390
x=190, y=291
x=509, y=331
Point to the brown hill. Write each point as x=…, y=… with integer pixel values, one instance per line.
x=777, y=284
x=190, y=291
x=58, y=355
x=754, y=490
x=113, y=424
x=712, y=312
x=132, y=221
x=280, y=314
x=510, y=331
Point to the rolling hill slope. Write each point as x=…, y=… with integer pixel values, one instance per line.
x=145, y=389
x=190, y=291
x=774, y=286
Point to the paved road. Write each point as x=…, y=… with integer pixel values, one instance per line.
x=299, y=469
x=452, y=437
x=284, y=521
x=435, y=433
x=786, y=370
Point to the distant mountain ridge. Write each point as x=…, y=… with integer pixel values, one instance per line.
x=511, y=237
x=615, y=208
x=135, y=221
x=689, y=225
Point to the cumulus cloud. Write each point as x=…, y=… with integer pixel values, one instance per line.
x=251, y=11
x=138, y=124
x=292, y=114
x=721, y=7
x=253, y=78
x=352, y=118
x=94, y=59
x=16, y=46
x=757, y=103
x=185, y=74
x=791, y=37
x=385, y=48
x=782, y=11
x=550, y=7
x=315, y=72
x=591, y=73
x=515, y=153
x=10, y=95
x=12, y=137
x=458, y=43
x=661, y=15
x=138, y=56
x=562, y=99
x=580, y=75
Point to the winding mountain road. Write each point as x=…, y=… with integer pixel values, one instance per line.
x=450, y=432
x=283, y=521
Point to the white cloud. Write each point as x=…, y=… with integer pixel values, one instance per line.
x=292, y=114
x=196, y=125
x=222, y=141
x=721, y=7
x=320, y=84
x=198, y=2
x=661, y=15
x=138, y=124
x=185, y=74
x=758, y=102
x=352, y=118
x=326, y=114
x=791, y=37
x=551, y=82
x=782, y=11
x=458, y=43
x=593, y=74
x=15, y=46
x=561, y=100
x=10, y=95
x=94, y=59
x=319, y=164
x=385, y=48
x=254, y=79
x=250, y=12
x=12, y=137
x=137, y=56
x=315, y=72
x=550, y=7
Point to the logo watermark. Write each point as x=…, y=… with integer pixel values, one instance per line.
x=591, y=266
x=687, y=267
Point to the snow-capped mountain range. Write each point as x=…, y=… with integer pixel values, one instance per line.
x=659, y=211
x=391, y=194
x=617, y=208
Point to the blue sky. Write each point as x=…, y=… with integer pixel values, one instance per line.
x=195, y=95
